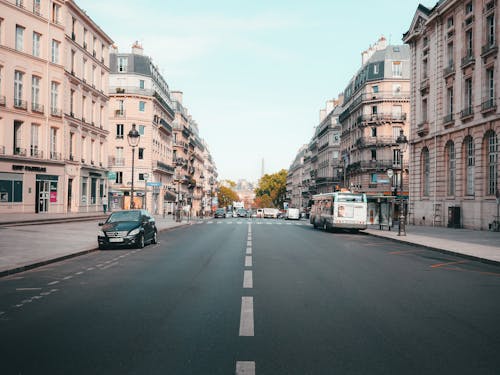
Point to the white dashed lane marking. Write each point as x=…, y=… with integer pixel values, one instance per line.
x=245, y=368
x=249, y=251
x=246, y=317
x=247, y=279
x=248, y=261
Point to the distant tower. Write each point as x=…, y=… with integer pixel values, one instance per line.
x=262, y=171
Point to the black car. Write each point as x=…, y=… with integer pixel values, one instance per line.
x=220, y=212
x=128, y=228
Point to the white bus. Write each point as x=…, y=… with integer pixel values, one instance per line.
x=339, y=210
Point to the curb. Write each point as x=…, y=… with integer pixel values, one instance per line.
x=51, y=221
x=437, y=249
x=45, y=262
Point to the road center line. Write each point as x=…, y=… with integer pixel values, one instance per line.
x=27, y=289
x=245, y=368
x=248, y=261
x=246, y=317
x=249, y=251
x=53, y=283
x=248, y=279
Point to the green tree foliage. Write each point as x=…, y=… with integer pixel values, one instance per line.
x=227, y=196
x=274, y=186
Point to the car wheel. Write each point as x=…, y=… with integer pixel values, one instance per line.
x=154, y=240
x=140, y=241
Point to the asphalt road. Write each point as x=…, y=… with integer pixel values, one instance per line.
x=225, y=296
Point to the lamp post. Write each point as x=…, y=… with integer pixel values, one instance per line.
x=402, y=141
x=133, y=140
x=203, y=203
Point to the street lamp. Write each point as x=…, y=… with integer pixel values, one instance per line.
x=402, y=141
x=133, y=140
x=203, y=203
x=212, y=183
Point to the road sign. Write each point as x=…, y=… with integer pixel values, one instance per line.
x=153, y=183
x=111, y=175
x=382, y=181
x=390, y=173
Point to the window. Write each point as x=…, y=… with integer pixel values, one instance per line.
x=396, y=89
x=141, y=84
x=468, y=7
x=424, y=110
x=19, y=38
x=119, y=156
x=84, y=190
x=53, y=143
x=469, y=43
x=141, y=153
x=18, y=88
x=142, y=129
x=374, y=132
x=122, y=64
x=374, y=110
x=449, y=22
x=34, y=140
x=396, y=158
x=468, y=95
x=119, y=131
x=375, y=69
x=449, y=100
x=119, y=178
x=449, y=54
x=490, y=30
x=85, y=38
x=93, y=75
x=84, y=70
x=55, y=51
x=470, y=163
x=142, y=106
x=54, y=98
x=18, y=132
x=424, y=69
x=396, y=132
x=490, y=86
x=55, y=12
x=374, y=154
x=374, y=178
x=397, y=69
x=450, y=158
x=492, y=163
x=35, y=94
x=11, y=187
x=71, y=145
x=426, y=171
x=36, y=44
x=72, y=103
x=375, y=89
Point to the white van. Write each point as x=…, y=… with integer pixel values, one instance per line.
x=260, y=213
x=292, y=214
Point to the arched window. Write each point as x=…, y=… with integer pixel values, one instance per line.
x=426, y=170
x=470, y=162
x=450, y=160
x=491, y=162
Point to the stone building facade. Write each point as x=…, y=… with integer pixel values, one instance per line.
x=455, y=121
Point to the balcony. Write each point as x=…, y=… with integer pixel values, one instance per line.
x=423, y=129
x=384, y=117
x=115, y=162
x=424, y=85
x=20, y=104
x=165, y=167
x=119, y=113
x=449, y=70
x=489, y=49
x=36, y=153
x=467, y=113
x=365, y=165
x=19, y=151
x=56, y=112
x=38, y=108
x=468, y=59
x=449, y=119
x=55, y=155
x=379, y=141
x=2, y=100
x=488, y=105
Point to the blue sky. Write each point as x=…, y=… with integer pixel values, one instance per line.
x=254, y=73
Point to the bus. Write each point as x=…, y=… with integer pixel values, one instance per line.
x=339, y=210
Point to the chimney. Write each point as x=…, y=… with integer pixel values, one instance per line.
x=382, y=43
x=364, y=57
x=330, y=104
x=137, y=48
x=177, y=95
x=322, y=114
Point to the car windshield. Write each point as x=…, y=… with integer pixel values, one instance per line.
x=124, y=216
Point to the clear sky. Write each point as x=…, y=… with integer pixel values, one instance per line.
x=254, y=73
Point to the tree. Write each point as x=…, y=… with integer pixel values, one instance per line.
x=274, y=186
x=227, y=196
x=263, y=201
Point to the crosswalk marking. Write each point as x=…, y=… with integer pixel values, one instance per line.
x=255, y=223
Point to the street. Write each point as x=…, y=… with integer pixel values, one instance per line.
x=254, y=296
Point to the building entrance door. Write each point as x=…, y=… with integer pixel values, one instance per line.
x=42, y=196
x=70, y=193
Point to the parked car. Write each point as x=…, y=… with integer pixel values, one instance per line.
x=220, y=212
x=241, y=212
x=229, y=214
x=292, y=214
x=127, y=228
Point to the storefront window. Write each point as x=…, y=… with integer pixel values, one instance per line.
x=11, y=187
x=84, y=190
x=93, y=190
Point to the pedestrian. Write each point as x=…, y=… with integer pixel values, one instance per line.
x=104, y=203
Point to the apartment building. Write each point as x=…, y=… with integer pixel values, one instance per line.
x=454, y=114
x=294, y=186
x=375, y=111
x=43, y=102
x=140, y=97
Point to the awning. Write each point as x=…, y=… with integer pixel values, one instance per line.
x=169, y=196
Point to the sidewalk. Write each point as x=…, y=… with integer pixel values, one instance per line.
x=24, y=247
x=483, y=246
